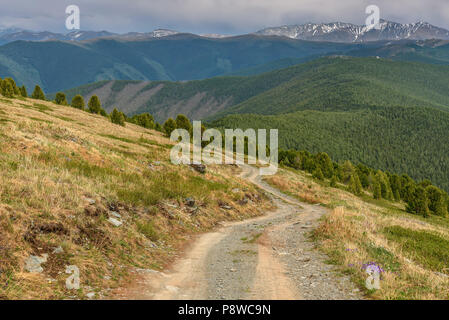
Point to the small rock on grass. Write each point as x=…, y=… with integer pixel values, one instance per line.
x=90, y=295
x=58, y=250
x=190, y=202
x=33, y=263
x=201, y=168
x=115, y=222
x=90, y=201
x=115, y=214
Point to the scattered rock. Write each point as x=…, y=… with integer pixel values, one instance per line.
x=201, y=168
x=58, y=250
x=235, y=190
x=115, y=222
x=244, y=201
x=90, y=295
x=115, y=214
x=226, y=207
x=190, y=202
x=33, y=263
x=90, y=201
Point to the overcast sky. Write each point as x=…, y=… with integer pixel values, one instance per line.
x=211, y=16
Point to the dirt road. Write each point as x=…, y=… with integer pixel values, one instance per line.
x=269, y=257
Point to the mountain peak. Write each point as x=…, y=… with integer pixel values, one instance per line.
x=348, y=32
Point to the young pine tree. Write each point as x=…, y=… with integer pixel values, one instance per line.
x=333, y=182
x=158, y=127
x=38, y=93
x=23, y=92
x=78, y=102
x=384, y=185
x=145, y=120
x=117, y=117
x=325, y=163
x=61, y=99
x=7, y=89
x=318, y=174
x=419, y=204
x=377, y=189
x=437, y=201
x=94, y=105
x=182, y=122
x=169, y=126
x=354, y=185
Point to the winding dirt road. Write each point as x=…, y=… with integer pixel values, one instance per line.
x=269, y=257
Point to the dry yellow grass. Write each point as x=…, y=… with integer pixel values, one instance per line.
x=54, y=159
x=352, y=235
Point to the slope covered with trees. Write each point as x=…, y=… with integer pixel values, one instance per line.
x=408, y=140
x=334, y=83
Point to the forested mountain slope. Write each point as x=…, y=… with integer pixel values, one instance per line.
x=331, y=83
x=58, y=65
x=408, y=140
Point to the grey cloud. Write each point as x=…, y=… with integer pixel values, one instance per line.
x=207, y=16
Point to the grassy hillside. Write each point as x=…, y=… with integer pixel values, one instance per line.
x=410, y=252
x=65, y=173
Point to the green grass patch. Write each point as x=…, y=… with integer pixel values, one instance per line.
x=64, y=118
x=6, y=101
x=110, y=136
x=427, y=248
x=148, y=230
x=42, y=107
x=41, y=120
x=383, y=257
x=253, y=238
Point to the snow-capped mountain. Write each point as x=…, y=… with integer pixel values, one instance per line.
x=333, y=32
x=348, y=32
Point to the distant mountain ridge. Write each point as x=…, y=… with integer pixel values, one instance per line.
x=15, y=34
x=348, y=32
x=333, y=32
